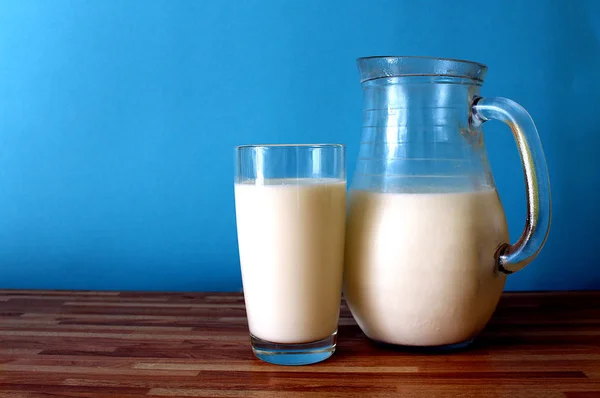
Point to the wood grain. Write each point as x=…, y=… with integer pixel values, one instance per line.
x=129, y=344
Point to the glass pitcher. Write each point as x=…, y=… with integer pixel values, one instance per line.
x=427, y=245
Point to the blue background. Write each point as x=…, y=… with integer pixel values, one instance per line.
x=118, y=118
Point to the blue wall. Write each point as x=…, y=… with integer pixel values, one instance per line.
x=118, y=118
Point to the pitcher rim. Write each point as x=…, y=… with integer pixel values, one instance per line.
x=387, y=66
x=315, y=145
x=466, y=61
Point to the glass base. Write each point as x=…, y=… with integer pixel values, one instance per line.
x=294, y=354
x=437, y=349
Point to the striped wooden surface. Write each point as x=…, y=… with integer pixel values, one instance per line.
x=111, y=344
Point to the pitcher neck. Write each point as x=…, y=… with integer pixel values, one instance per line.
x=417, y=131
x=423, y=108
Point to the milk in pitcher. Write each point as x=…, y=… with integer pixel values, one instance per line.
x=420, y=268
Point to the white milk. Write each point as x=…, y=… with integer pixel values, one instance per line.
x=291, y=240
x=420, y=267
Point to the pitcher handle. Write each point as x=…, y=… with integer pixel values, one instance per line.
x=512, y=258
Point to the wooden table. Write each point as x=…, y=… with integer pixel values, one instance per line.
x=111, y=344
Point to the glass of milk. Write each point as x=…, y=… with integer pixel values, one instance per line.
x=290, y=203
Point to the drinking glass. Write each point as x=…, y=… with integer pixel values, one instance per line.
x=290, y=205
